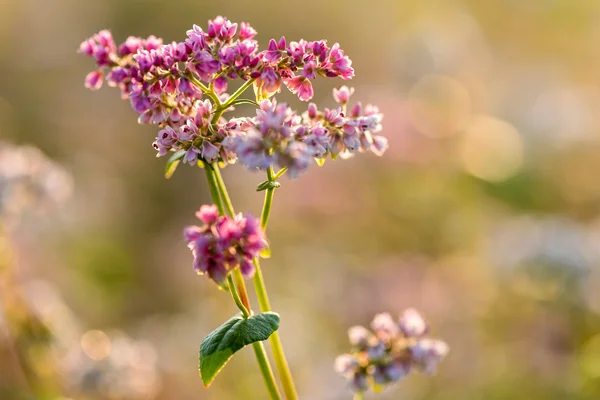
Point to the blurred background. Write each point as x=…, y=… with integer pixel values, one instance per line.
x=484, y=214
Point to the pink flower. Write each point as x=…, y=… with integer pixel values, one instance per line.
x=312, y=112
x=358, y=335
x=309, y=70
x=165, y=140
x=191, y=155
x=222, y=243
x=269, y=81
x=94, y=80
x=205, y=65
x=318, y=141
x=130, y=46
x=297, y=50
x=428, y=353
x=221, y=28
x=87, y=47
x=275, y=50
x=296, y=157
x=300, y=86
x=392, y=352
x=340, y=64
x=210, y=152
x=342, y=95
x=246, y=31
x=208, y=214
x=384, y=326
x=220, y=85
x=346, y=365
x=196, y=39
x=380, y=145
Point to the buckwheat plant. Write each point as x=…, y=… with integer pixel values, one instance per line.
x=182, y=88
x=389, y=352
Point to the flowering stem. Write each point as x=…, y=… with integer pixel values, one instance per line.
x=241, y=298
x=280, y=173
x=244, y=101
x=236, y=297
x=265, y=369
x=205, y=90
x=237, y=93
x=213, y=186
x=261, y=290
x=223, y=190
x=359, y=396
x=263, y=298
x=266, y=211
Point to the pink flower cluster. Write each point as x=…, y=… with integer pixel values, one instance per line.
x=278, y=136
x=389, y=351
x=222, y=243
x=165, y=84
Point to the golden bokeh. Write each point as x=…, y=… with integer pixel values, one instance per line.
x=96, y=345
x=490, y=149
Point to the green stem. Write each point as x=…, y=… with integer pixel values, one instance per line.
x=241, y=285
x=245, y=101
x=224, y=193
x=213, y=186
x=280, y=173
x=264, y=217
x=238, y=93
x=236, y=297
x=265, y=369
x=261, y=291
x=359, y=396
x=281, y=363
x=210, y=93
x=259, y=349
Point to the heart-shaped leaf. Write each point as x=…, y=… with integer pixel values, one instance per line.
x=220, y=345
x=173, y=162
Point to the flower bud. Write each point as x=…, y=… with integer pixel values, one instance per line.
x=427, y=353
x=346, y=365
x=412, y=324
x=342, y=95
x=359, y=336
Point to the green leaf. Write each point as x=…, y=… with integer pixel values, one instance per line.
x=267, y=185
x=220, y=345
x=173, y=162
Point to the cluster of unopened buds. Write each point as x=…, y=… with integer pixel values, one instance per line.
x=182, y=88
x=389, y=351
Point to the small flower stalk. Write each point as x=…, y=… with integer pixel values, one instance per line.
x=389, y=351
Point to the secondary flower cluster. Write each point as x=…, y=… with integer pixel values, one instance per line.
x=166, y=83
x=278, y=136
x=389, y=352
x=222, y=243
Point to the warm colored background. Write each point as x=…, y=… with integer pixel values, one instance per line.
x=484, y=213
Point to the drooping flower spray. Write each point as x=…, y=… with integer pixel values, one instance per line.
x=182, y=87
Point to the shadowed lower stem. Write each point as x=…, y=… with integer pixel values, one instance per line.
x=261, y=290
